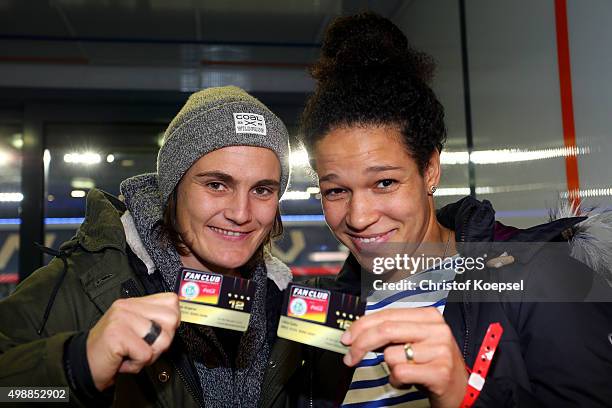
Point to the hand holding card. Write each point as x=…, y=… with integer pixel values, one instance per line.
x=216, y=300
x=318, y=317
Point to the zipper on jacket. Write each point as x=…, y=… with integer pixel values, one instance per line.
x=311, y=400
x=130, y=289
x=467, y=331
x=466, y=335
x=464, y=226
x=188, y=384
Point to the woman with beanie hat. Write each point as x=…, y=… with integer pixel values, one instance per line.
x=102, y=318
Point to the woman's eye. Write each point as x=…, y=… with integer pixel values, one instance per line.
x=333, y=193
x=216, y=186
x=262, y=191
x=386, y=183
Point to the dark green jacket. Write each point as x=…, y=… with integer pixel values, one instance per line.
x=98, y=273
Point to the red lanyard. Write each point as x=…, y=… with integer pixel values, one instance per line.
x=481, y=366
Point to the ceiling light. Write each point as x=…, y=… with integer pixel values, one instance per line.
x=46, y=157
x=295, y=195
x=590, y=192
x=82, y=183
x=4, y=158
x=86, y=158
x=11, y=197
x=454, y=157
x=453, y=191
x=17, y=141
x=77, y=194
x=509, y=155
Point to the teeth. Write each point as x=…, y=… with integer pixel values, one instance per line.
x=226, y=232
x=366, y=240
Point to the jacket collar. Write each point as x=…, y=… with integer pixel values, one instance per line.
x=478, y=233
x=102, y=226
x=474, y=221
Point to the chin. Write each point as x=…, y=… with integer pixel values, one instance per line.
x=232, y=261
x=227, y=257
x=231, y=265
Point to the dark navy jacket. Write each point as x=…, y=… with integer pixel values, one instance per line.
x=552, y=354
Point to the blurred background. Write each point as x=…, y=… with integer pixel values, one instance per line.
x=87, y=88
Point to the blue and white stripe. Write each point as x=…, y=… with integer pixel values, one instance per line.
x=370, y=386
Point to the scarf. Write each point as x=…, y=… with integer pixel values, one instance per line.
x=224, y=383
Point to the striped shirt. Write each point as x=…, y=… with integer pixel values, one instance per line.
x=370, y=386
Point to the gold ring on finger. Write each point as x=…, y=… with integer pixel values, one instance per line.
x=409, y=352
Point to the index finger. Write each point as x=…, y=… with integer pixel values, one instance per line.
x=416, y=315
x=169, y=299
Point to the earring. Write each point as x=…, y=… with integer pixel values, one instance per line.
x=433, y=189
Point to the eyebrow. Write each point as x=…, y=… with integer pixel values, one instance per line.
x=375, y=169
x=328, y=177
x=217, y=175
x=372, y=169
x=268, y=182
x=229, y=179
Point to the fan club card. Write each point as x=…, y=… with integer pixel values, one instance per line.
x=212, y=299
x=318, y=317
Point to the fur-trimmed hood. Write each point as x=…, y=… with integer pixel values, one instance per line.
x=588, y=234
x=591, y=239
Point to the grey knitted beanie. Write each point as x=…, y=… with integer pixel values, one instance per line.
x=214, y=118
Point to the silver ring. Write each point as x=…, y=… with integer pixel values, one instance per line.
x=153, y=333
x=409, y=352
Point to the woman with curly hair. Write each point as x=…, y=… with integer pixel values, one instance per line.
x=374, y=130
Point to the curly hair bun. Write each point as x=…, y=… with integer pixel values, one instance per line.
x=366, y=42
x=367, y=74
